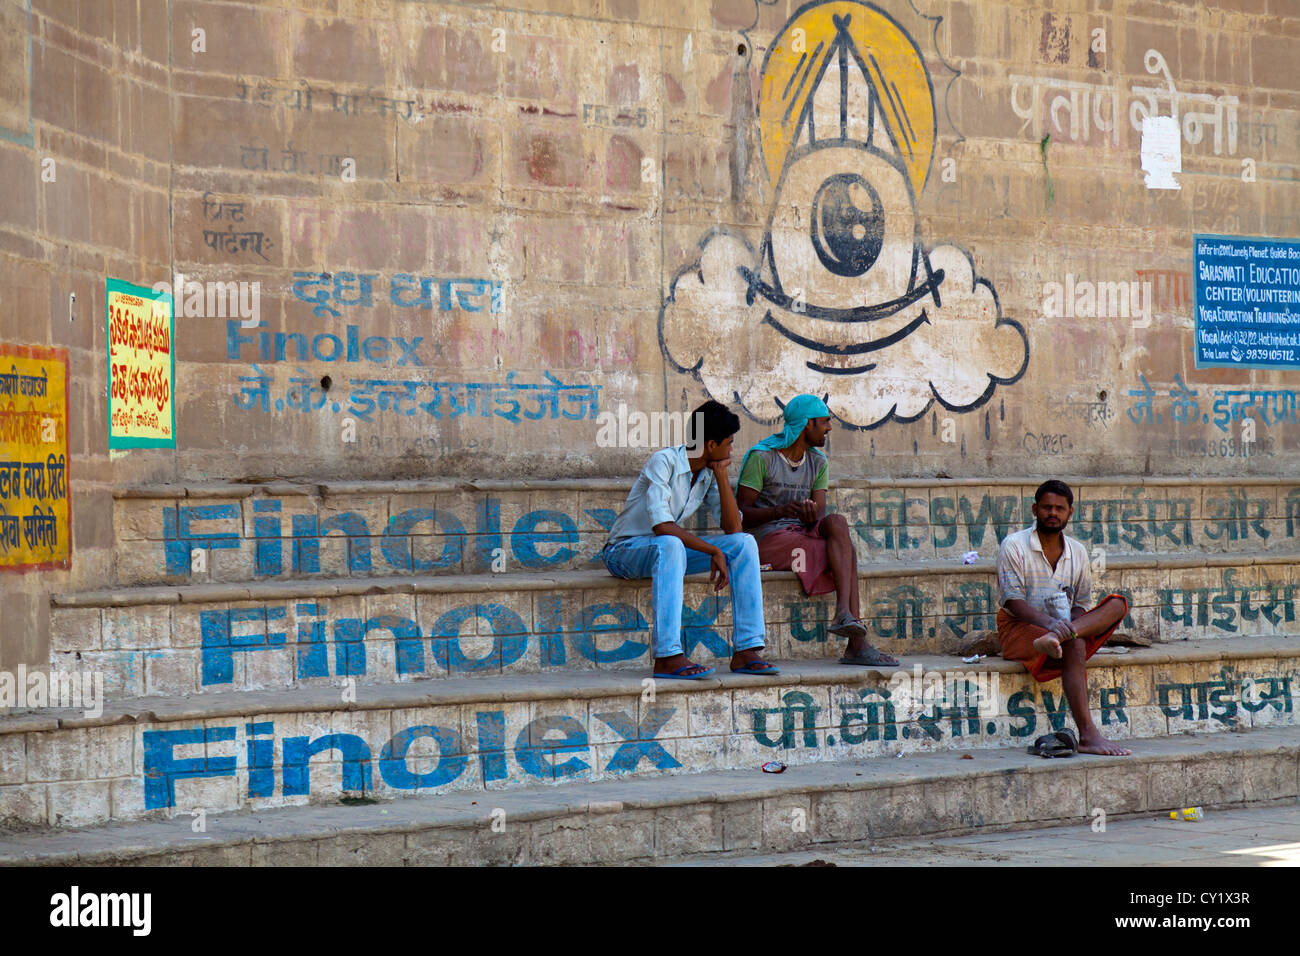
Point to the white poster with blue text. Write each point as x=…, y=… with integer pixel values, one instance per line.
x=1247, y=302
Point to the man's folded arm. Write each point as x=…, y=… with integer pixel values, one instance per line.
x=751, y=483
x=747, y=489
x=750, y=513
x=720, y=502
x=694, y=542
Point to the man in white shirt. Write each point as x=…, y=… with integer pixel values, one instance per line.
x=648, y=540
x=1044, y=621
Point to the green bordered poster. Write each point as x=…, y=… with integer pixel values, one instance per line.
x=141, y=367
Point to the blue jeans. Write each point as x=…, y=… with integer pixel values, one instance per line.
x=666, y=561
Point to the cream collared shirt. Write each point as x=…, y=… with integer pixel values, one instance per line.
x=1025, y=574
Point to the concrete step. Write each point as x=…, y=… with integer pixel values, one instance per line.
x=1241, y=837
x=204, y=533
x=199, y=638
x=254, y=750
x=715, y=812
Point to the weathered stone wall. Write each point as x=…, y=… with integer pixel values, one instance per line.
x=469, y=220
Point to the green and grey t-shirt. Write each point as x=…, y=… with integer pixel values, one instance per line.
x=778, y=483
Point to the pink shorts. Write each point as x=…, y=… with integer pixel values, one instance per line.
x=778, y=549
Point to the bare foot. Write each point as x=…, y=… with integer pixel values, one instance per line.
x=861, y=647
x=1095, y=743
x=1048, y=644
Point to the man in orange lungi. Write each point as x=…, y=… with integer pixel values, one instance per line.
x=1044, y=586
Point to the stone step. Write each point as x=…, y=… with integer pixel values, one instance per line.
x=199, y=638
x=204, y=533
x=254, y=750
x=714, y=812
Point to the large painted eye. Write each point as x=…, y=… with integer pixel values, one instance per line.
x=847, y=224
x=843, y=229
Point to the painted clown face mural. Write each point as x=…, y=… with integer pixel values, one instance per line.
x=842, y=297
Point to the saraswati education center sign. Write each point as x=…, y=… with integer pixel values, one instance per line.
x=141, y=367
x=1247, y=302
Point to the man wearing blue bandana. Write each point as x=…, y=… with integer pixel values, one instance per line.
x=782, y=495
x=648, y=540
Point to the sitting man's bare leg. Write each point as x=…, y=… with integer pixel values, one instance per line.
x=1097, y=621
x=843, y=561
x=1074, y=676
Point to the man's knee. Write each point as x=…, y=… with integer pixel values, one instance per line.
x=671, y=551
x=739, y=543
x=835, y=526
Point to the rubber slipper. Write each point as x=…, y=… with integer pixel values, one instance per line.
x=1051, y=745
x=848, y=627
x=1068, y=738
x=678, y=675
x=872, y=657
x=760, y=668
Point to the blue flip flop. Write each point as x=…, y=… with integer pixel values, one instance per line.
x=678, y=675
x=757, y=668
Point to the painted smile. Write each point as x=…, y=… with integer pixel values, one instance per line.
x=862, y=313
x=859, y=348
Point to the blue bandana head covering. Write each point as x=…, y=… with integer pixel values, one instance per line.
x=798, y=411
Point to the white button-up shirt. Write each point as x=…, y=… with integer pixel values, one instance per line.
x=1025, y=574
x=664, y=492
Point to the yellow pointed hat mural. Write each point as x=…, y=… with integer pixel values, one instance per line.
x=868, y=40
x=841, y=296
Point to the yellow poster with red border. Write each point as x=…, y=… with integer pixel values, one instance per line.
x=35, y=505
x=141, y=367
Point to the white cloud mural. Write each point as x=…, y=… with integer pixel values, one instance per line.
x=842, y=298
